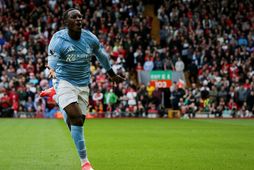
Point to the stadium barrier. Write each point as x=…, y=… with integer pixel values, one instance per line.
x=26, y=114
x=174, y=113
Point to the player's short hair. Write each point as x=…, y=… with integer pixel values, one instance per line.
x=65, y=14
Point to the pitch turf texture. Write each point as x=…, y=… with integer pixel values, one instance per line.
x=129, y=144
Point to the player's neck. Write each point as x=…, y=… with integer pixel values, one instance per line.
x=74, y=35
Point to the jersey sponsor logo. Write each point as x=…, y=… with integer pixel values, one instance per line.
x=75, y=57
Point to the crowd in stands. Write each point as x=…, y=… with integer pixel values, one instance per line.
x=215, y=40
x=212, y=41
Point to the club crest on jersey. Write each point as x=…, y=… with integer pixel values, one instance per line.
x=88, y=50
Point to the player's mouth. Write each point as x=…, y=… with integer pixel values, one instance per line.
x=79, y=25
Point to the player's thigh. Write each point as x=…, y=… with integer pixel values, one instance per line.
x=83, y=99
x=66, y=94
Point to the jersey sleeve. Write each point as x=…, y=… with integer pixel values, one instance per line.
x=54, y=51
x=103, y=57
x=100, y=53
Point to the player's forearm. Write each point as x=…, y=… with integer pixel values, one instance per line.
x=103, y=58
x=52, y=62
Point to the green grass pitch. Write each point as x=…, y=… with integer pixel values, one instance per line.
x=129, y=144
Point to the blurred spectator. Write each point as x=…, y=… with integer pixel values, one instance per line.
x=40, y=106
x=97, y=99
x=158, y=65
x=232, y=106
x=148, y=65
x=52, y=112
x=156, y=97
x=14, y=99
x=5, y=105
x=132, y=103
x=250, y=102
x=110, y=99
x=179, y=66
x=193, y=72
x=29, y=106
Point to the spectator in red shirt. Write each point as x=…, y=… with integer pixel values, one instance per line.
x=14, y=99
x=5, y=105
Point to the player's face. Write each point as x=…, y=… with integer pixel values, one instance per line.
x=74, y=21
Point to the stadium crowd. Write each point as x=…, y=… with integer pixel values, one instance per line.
x=212, y=41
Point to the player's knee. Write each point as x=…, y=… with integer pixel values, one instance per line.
x=77, y=120
x=75, y=115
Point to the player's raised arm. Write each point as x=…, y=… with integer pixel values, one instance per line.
x=103, y=58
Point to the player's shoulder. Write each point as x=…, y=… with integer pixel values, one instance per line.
x=57, y=38
x=88, y=34
x=60, y=34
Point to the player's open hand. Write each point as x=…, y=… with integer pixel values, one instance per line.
x=114, y=77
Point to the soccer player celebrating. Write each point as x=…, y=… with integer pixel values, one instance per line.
x=69, y=54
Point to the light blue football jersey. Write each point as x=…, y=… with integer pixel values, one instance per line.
x=71, y=58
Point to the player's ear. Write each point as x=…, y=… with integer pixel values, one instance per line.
x=65, y=22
